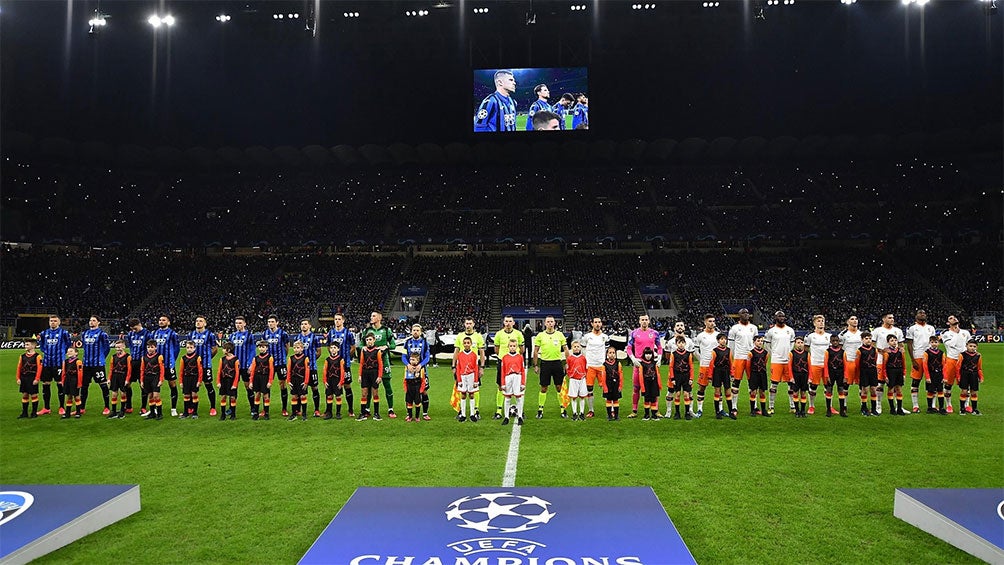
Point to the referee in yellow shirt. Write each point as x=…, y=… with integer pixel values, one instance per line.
x=549, y=350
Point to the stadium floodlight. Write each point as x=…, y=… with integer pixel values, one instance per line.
x=97, y=22
x=168, y=20
x=222, y=18
x=154, y=20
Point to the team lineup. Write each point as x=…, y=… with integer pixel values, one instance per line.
x=875, y=361
x=497, y=112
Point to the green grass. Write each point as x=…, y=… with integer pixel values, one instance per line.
x=521, y=121
x=758, y=490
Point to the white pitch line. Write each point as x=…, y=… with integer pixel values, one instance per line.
x=509, y=476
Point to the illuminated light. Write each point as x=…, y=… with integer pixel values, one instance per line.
x=154, y=21
x=168, y=20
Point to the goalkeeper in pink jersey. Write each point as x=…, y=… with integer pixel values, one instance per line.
x=639, y=339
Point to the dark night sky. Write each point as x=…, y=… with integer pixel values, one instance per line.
x=677, y=71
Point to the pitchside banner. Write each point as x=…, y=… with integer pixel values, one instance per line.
x=970, y=519
x=39, y=519
x=500, y=526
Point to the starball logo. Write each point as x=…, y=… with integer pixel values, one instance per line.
x=498, y=513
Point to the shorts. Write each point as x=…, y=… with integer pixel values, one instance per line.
x=189, y=385
x=151, y=385
x=867, y=379
x=551, y=372
x=117, y=382
x=937, y=383
x=839, y=381
x=577, y=388
x=468, y=383
x=720, y=378
x=412, y=391
x=207, y=374
x=816, y=374
x=94, y=374
x=71, y=387
x=170, y=374
x=260, y=384
x=312, y=379
x=850, y=373
x=333, y=389
x=369, y=379
x=969, y=382
x=740, y=366
x=895, y=380
x=801, y=381
x=613, y=389
x=26, y=386
x=594, y=375
x=704, y=376
x=227, y=386
x=296, y=388
x=513, y=385
x=50, y=374
x=780, y=372
x=758, y=381
x=682, y=382
x=951, y=371
x=651, y=389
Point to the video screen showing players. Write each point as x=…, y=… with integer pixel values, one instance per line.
x=547, y=99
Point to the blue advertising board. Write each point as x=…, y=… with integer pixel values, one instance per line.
x=970, y=519
x=500, y=526
x=414, y=290
x=38, y=519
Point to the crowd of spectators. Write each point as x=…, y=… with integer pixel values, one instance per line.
x=835, y=281
x=679, y=203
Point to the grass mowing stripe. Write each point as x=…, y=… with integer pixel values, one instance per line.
x=509, y=476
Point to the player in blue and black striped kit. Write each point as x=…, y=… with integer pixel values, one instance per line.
x=311, y=343
x=417, y=345
x=346, y=342
x=168, y=347
x=205, y=347
x=96, y=345
x=136, y=340
x=53, y=342
x=497, y=111
x=540, y=104
x=244, y=350
x=580, y=114
x=278, y=347
x=562, y=108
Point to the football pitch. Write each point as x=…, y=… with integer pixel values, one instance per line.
x=521, y=121
x=778, y=490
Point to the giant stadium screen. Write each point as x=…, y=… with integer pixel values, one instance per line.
x=510, y=100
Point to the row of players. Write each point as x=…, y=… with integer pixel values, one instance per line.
x=869, y=367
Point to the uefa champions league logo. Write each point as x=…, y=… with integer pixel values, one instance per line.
x=501, y=513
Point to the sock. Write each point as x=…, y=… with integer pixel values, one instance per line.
x=646, y=410
x=892, y=405
x=104, y=393
x=46, y=394
x=376, y=406
x=899, y=404
x=348, y=399
x=174, y=398
x=195, y=405
x=34, y=405
x=812, y=395
x=338, y=406
x=700, y=402
x=24, y=406
x=974, y=400
x=634, y=399
x=267, y=400
x=317, y=399
x=541, y=401
x=506, y=404
x=499, y=401
x=115, y=405
x=211, y=392
x=60, y=394
x=874, y=404
x=589, y=401
x=941, y=401
x=144, y=402
x=914, y=394
x=328, y=402
x=477, y=402
x=285, y=398
x=84, y=393
x=519, y=407
x=425, y=403
x=829, y=401
x=389, y=395
x=128, y=400
x=773, y=396
x=791, y=398
x=250, y=397
x=617, y=412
